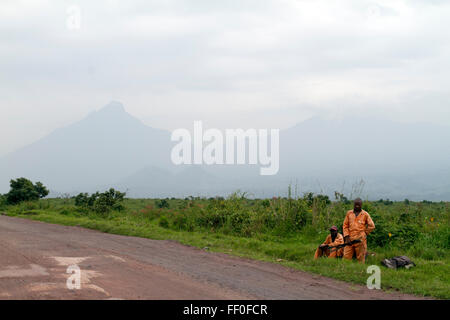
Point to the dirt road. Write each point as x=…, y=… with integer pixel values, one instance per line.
x=34, y=257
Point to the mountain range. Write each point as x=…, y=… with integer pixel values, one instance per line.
x=111, y=148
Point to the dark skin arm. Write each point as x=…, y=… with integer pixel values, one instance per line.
x=333, y=234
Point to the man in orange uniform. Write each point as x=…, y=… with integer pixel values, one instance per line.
x=357, y=225
x=332, y=240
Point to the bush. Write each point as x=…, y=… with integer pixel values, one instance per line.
x=23, y=189
x=162, y=204
x=163, y=222
x=82, y=200
x=181, y=222
x=402, y=235
x=265, y=203
x=387, y=202
x=101, y=202
x=3, y=202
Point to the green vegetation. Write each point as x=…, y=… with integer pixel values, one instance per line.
x=23, y=189
x=101, y=202
x=281, y=230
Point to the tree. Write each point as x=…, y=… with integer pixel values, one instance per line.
x=23, y=189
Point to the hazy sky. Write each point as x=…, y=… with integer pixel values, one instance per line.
x=230, y=63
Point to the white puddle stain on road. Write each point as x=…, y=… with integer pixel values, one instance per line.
x=15, y=271
x=86, y=275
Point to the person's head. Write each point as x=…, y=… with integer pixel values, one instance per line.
x=357, y=206
x=333, y=231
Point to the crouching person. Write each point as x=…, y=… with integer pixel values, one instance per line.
x=329, y=247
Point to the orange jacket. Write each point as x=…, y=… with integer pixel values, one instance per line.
x=337, y=241
x=357, y=227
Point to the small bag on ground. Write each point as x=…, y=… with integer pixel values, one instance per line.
x=398, y=262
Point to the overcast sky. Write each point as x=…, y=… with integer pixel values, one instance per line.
x=230, y=63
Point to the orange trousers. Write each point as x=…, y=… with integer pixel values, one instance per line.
x=359, y=249
x=336, y=253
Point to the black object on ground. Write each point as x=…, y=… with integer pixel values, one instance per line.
x=398, y=262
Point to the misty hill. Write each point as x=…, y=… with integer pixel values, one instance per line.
x=111, y=148
x=105, y=146
x=395, y=160
x=156, y=182
x=363, y=146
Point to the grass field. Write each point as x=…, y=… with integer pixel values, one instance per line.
x=281, y=230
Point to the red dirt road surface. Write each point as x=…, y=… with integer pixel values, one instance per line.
x=34, y=257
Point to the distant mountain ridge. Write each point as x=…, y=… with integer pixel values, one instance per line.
x=110, y=147
x=101, y=148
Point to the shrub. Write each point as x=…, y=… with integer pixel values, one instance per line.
x=312, y=199
x=23, y=189
x=323, y=198
x=181, y=222
x=405, y=235
x=341, y=197
x=3, y=202
x=380, y=236
x=81, y=200
x=163, y=222
x=265, y=203
x=101, y=202
x=162, y=204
